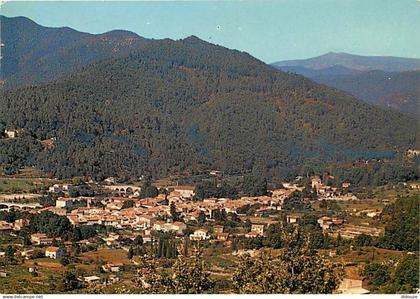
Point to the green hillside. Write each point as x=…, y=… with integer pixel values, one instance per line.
x=176, y=106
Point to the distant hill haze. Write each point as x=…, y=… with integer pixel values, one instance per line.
x=188, y=105
x=389, y=82
x=355, y=62
x=33, y=54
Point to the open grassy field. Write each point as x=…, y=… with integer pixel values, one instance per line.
x=107, y=255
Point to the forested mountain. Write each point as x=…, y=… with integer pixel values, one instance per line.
x=34, y=54
x=188, y=105
x=396, y=90
x=355, y=62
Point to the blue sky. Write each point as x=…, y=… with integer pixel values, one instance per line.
x=270, y=30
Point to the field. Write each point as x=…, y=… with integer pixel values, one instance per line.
x=106, y=255
x=20, y=281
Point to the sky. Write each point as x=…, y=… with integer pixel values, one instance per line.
x=270, y=30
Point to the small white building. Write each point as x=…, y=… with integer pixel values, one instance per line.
x=63, y=203
x=92, y=279
x=54, y=252
x=200, y=234
x=10, y=133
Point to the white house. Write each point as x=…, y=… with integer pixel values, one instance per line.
x=54, y=252
x=10, y=133
x=63, y=203
x=200, y=234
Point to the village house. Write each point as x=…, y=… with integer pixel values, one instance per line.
x=185, y=191
x=316, y=183
x=5, y=228
x=222, y=236
x=27, y=254
x=19, y=224
x=54, y=252
x=293, y=218
x=110, y=180
x=63, y=203
x=92, y=279
x=252, y=234
x=414, y=185
x=346, y=184
x=112, y=267
x=10, y=133
x=258, y=228
x=41, y=239
x=200, y=234
x=218, y=228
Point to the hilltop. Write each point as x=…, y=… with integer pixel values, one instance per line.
x=355, y=62
x=34, y=54
x=189, y=106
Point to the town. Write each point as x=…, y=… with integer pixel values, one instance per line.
x=96, y=233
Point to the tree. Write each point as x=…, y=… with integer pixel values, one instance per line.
x=296, y=270
x=407, y=273
x=138, y=241
x=295, y=202
x=10, y=252
x=363, y=240
x=201, y=217
x=148, y=190
x=377, y=274
x=69, y=282
x=402, y=225
x=188, y=275
x=130, y=253
x=128, y=204
x=174, y=213
x=254, y=186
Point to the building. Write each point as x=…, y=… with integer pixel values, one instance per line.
x=185, y=191
x=63, y=203
x=54, y=252
x=293, y=218
x=10, y=133
x=258, y=228
x=112, y=267
x=5, y=228
x=316, y=183
x=218, y=228
x=200, y=234
x=251, y=235
x=222, y=236
x=92, y=279
x=41, y=239
x=346, y=184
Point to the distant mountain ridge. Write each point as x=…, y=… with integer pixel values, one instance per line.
x=355, y=62
x=389, y=82
x=34, y=54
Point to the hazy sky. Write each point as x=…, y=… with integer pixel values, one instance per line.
x=271, y=30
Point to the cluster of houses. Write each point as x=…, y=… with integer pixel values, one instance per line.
x=326, y=192
x=7, y=228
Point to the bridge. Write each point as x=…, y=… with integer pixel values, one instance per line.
x=21, y=206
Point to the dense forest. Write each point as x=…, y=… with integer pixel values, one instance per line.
x=33, y=54
x=187, y=105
